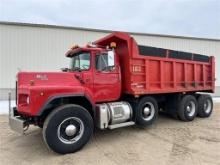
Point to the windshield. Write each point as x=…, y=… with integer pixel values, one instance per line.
x=80, y=61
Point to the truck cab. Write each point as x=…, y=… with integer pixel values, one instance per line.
x=92, y=80
x=98, y=70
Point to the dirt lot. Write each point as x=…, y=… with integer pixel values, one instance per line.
x=168, y=141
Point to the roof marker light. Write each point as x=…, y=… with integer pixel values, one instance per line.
x=74, y=46
x=113, y=44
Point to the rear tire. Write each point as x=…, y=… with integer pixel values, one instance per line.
x=187, y=108
x=205, y=106
x=67, y=128
x=146, y=111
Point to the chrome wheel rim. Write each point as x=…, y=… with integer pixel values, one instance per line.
x=148, y=111
x=191, y=108
x=70, y=130
x=207, y=106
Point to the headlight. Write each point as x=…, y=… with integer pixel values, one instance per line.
x=23, y=99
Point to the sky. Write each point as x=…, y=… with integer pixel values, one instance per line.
x=194, y=18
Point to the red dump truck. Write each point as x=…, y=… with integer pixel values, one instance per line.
x=112, y=83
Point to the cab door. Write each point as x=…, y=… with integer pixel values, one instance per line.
x=107, y=82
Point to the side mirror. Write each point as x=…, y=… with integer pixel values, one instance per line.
x=111, y=58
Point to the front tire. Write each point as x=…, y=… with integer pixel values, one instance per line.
x=68, y=128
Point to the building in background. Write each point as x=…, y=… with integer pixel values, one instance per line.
x=37, y=47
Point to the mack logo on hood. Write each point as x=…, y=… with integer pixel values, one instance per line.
x=42, y=76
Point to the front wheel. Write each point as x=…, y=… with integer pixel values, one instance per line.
x=67, y=129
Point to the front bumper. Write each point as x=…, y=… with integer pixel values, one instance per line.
x=16, y=123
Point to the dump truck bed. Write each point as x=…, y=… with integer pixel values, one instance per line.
x=151, y=70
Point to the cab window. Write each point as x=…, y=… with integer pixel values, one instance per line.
x=101, y=62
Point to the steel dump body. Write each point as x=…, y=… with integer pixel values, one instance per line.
x=149, y=70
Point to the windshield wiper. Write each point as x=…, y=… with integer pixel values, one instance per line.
x=76, y=69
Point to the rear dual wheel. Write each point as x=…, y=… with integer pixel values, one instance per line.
x=205, y=106
x=187, y=108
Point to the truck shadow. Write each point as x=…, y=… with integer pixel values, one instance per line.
x=33, y=141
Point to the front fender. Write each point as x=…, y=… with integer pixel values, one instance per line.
x=65, y=95
x=41, y=96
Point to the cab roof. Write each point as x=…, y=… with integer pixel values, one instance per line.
x=73, y=51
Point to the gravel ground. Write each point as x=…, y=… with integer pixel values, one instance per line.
x=168, y=142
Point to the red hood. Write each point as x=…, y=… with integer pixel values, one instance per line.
x=27, y=79
x=40, y=86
